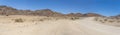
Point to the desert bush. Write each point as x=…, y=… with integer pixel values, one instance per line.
x=74, y=18
x=41, y=20
x=6, y=15
x=111, y=21
x=105, y=19
x=19, y=20
x=96, y=19
x=100, y=20
x=118, y=21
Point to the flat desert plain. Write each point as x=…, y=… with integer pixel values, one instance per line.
x=41, y=25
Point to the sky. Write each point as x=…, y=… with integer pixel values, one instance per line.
x=103, y=7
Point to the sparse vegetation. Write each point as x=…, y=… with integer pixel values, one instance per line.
x=100, y=20
x=111, y=21
x=74, y=18
x=105, y=19
x=41, y=20
x=96, y=19
x=19, y=20
x=7, y=15
x=118, y=21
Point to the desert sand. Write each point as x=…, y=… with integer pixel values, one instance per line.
x=41, y=25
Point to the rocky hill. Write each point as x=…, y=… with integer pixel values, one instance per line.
x=5, y=10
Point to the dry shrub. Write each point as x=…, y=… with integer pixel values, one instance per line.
x=96, y=19
x=6, y=15
x=111, y=21
x=105, y=19
x=41, y=20
x=118, y=21
x=100, y=20
x=74, y=18
x=19, y=20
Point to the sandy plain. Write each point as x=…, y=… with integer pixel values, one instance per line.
x=41, y=25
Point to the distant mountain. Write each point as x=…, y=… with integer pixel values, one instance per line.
x=117, y=16
x=74, y=14
x=91, y=15
x=5, y=10
x=47, y=12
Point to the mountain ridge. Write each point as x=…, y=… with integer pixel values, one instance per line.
x=5, y=10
